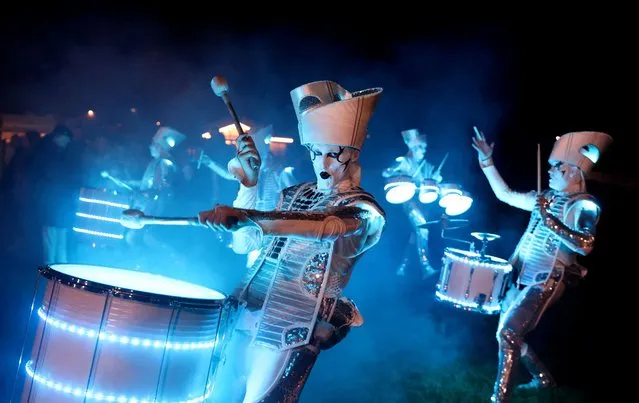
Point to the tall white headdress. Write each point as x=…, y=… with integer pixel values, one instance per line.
x=581, y=149
x=329, y=114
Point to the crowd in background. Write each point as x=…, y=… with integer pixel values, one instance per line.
x=43, y=176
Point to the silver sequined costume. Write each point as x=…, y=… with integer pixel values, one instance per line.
x=291, y=298
x=414, y=210
x=291, y=303
x=545, y=258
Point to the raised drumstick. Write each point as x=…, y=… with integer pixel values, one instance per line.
x=220, y=87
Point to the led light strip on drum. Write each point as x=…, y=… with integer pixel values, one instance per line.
x=99, y=396
x=475, y=262
x=466, y=304
x=114, y=338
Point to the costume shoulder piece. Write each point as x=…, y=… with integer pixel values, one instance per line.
x=359, y=195
x=584, y=202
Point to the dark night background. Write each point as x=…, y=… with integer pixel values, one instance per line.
x=521, y=80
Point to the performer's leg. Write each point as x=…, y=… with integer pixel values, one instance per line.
x=62, y=245
x=541, y=375
x=408, y=251
x=417, y=219
x=48, y=242
x=519, y=319
x=229, y=384
x=422, y=253
x=279, y=376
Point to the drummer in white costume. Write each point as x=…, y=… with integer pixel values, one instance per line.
x=415, y=165
x=562, y=226
x=291, y=303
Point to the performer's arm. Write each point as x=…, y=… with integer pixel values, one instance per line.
x=246, y=239
x=363, y=221
x=344, y=221
x=219, y=170
x=399, y=167
x=577, y=231
x=524, y=201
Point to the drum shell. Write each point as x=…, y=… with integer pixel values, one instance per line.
x=147, y=350
x=473, y=285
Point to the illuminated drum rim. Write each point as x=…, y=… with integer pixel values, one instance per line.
x=81, y=391
x=400, y=180
x=133, y=285
x=457, y=204
x=428, y=191
x=491, y=262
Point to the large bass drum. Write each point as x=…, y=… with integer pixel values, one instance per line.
x=114, y=335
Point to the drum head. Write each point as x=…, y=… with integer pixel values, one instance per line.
x=400, y=189
x=428, y=191
x=108, y=278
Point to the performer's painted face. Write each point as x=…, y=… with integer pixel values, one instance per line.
x=331, y=163
x=418, y=151
x=562, y=175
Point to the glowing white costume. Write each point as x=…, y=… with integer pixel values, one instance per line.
x=546, y=255
x=291, y=303
x=418, y=169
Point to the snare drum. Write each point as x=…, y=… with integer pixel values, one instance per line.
x=399, y=189
x=454, y=199
x=473, y=283
x=428, y=191
x=116, y=335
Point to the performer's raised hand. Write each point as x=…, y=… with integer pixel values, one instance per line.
x=484, y=150
x=241, y=166
x=225, y=218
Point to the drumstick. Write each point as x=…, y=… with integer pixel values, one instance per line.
x=220, y=87
x=538, y=168
x=419, y=168
x=118, y=182
x=439, y=170
x=135, y=219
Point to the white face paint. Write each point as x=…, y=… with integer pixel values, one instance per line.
x=331, y=163
x=563, y=176
x=418, y=152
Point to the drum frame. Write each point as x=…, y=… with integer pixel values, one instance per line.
x=226, y=305
x=471, y=304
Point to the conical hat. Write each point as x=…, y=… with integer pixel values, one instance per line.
x=412, y=138
x=168, y=137
x=581, y=149
x=328, y=114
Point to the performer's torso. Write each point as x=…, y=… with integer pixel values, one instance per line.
x=154, y=186
x=295, y=281
x=308, y=199
x=539, y=250
x=419, y=170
